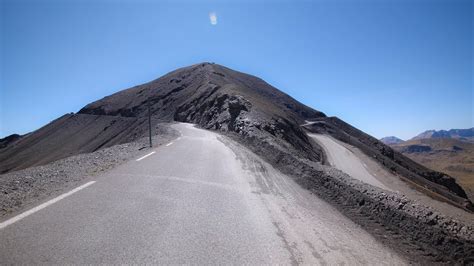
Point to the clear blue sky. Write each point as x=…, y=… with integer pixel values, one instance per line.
x=387, y=67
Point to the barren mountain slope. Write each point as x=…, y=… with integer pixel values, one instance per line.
x=219, y=98
x=69, y=135
x=210, y=95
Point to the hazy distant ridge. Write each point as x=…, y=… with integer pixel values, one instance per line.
x=462, y=134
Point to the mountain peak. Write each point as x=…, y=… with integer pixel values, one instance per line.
x=391, y=140
x=197, y=84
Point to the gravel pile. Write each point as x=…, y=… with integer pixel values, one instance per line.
x=21, y=189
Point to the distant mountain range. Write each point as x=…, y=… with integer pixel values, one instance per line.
x=449, y=151
x=460, y=134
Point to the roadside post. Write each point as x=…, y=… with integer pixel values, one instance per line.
x=149, y=122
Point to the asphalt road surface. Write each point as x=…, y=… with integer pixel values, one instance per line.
x=200, y=199
x=346, y=161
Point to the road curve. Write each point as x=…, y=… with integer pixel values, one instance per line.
x=201, y=199
x=345, y=160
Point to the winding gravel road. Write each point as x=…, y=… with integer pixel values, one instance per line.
x=201, y=199
x=346, y=161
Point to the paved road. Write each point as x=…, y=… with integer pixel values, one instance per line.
x=346, y=161
x=200, y=200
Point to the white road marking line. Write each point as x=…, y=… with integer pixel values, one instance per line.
x=178, y=138
x=42, y=206
x=141, y=158
x=169, y=144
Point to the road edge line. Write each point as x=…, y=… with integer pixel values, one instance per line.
x=143, y=157
x=42, y=206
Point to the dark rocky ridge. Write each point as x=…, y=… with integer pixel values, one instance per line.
x=219, y=98
x=198, y=83
x=8, y=140
x=69, y=135
x=207, y=94
x=416, y=148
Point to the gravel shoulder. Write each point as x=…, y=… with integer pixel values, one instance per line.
x=22, y=189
